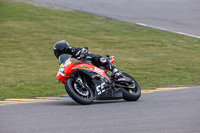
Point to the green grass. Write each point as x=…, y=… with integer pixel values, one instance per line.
x=28, y=66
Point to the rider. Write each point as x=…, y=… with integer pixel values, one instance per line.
x=62, y=47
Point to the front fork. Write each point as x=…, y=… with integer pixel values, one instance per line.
x=79, y=81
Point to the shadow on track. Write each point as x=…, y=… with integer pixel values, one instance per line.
x=73, y=103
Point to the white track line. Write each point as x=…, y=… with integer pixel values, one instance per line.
x=142, y=24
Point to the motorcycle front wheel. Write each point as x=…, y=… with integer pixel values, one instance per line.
x=81, y=96
x=131, y=94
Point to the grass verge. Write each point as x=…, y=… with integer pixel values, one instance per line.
x=28, y=67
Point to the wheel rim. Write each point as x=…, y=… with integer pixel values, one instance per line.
x=134, y=90
x=85, y=94
x=81, y=92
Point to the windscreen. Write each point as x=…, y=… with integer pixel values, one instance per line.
x=63, y=58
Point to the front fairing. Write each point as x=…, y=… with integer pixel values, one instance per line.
x=66, y=64
x=69, y=65
x=63, y=72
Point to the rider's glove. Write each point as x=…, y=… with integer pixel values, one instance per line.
x=82, y=53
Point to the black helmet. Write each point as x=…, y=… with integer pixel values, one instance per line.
x=61, y=47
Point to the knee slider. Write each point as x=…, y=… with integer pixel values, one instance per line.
x=103, y=60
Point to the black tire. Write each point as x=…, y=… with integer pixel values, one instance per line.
x=75, y=95
x=131, y=94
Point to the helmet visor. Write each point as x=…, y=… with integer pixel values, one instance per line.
x=57, y=54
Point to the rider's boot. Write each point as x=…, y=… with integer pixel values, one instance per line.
x=116, y=73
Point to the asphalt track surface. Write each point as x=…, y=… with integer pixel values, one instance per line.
x=175, y=111
x=180, y=16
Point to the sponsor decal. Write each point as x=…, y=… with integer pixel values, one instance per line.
x=99, y=76
x=98, y=70
x=70, y=62
x=62, y=65
x=86, y=67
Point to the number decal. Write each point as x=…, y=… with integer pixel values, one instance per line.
x=100, y=88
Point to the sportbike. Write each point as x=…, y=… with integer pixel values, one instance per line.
x=84, y=82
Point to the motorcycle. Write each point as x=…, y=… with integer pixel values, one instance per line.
x=84, y=82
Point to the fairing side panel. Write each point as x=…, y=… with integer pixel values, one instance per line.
x=90, y=67
x=72, y=65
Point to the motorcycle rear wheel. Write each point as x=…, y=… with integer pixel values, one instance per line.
x=81, y=98
x=131, y=94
